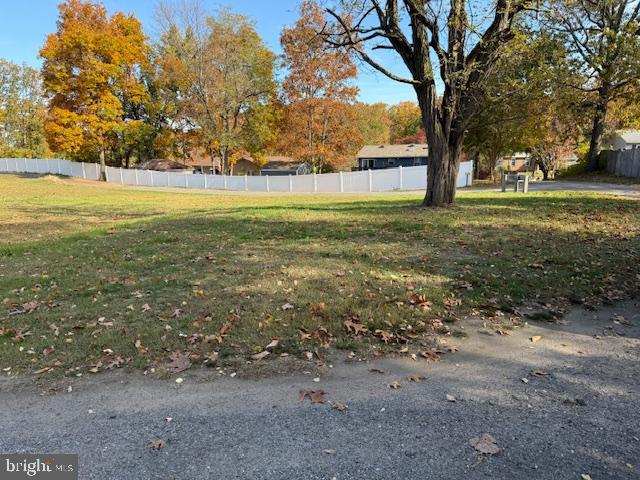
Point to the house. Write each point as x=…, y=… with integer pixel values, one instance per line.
x=200, y=162
x=516, y=162
x=376, y=157
x=163, y=165
x=245, y=165
x=623, y=140
x=280, y=165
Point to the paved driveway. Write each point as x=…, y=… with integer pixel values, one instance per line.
x=577, y=416
x=560, y=185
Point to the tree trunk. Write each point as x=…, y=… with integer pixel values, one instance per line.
x=545, y=173
x=599, y=118
x=442, y=173
x=444, y=138
x=212, y=153
x=103, y=165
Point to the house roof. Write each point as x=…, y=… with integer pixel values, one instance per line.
x=162, y=165
x=629, y=136
x=201, y=161
x=394, y=151
x=279, y=162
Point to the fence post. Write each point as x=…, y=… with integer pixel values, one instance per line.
x=315, y=182
x=370, y=181
x=84, y=174
x=121, y=177
x=246, y=182
x=6, y=160
x=400, y=177
x=136, y=174
x=224, y=181
x=267, y=177
x=341, y=183
x=59, y=167
x=186, y=180
x=151, y=175
x=205, y=180
x=290, y=183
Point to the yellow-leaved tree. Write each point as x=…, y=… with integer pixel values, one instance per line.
x=91, y=68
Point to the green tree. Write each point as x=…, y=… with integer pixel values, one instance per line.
x=406, y=121
x=373, y=122
x=22, y=112
x=218, y=70
x=520, y=108
x=603, y=38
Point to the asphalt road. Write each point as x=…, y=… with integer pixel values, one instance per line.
x=582, y=418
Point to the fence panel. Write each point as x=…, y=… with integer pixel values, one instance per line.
x=414, y=178
x=624, y=163
x=234, y=182
x=176, y=179
x=196, y=181
x=257, y=184
x=302, y=183
x=355, y=181
x=328, y=182
x=129, y=176
x=385, y=180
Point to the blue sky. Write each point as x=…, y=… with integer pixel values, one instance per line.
x=25, y=23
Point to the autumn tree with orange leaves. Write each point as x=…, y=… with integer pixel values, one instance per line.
x=319, y=124
x=91, y=69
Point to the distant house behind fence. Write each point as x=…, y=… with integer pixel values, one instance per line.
x=623, y=140
x=376, y=157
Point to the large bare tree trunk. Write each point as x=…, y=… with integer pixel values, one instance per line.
x=599, y=119
x=442, y=173
x=445, y=148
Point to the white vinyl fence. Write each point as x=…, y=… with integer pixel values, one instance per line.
x=401, y=178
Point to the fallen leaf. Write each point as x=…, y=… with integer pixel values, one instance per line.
x=211, y=356
x=451, y=398
x=179, y=362
x=485, y=444
x=156, y=444
x=316, y=396
x=432, y=355
x=287, y=306
x=43, y=370
x=329, y=451
x=354, y=328
x=535, y=338
x=377, y=370
x=394, y=385
x=261, y=355
x=339, y=406
x=537, y=373
x=141, y=348
x=273, y=344
x=415, y=378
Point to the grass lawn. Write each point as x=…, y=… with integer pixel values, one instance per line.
x=97, y=277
